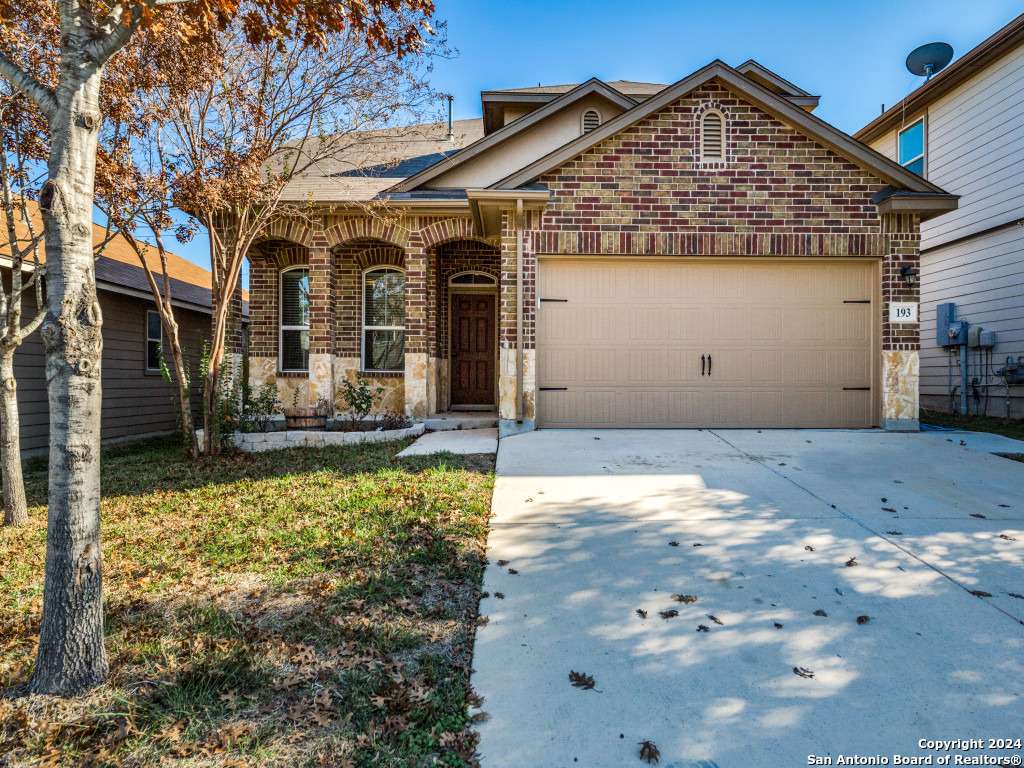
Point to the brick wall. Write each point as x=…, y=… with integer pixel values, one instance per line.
x=451, y=259
x=904, y=235
x=266, y=260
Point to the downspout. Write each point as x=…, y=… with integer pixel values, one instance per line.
x=519, y=311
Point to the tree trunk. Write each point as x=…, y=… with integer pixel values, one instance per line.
x=71, y=654
x=188, y=429
x=15, y=506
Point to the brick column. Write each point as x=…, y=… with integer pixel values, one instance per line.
x=416, y=328
x=262, y=318
x=321, y=321
x=901, y=342
x=507, y=355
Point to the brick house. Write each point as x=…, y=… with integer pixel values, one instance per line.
x=702, y=254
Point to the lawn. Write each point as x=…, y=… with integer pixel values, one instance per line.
x=997, y=425
x=301, y=607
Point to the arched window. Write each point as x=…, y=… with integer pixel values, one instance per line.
x=591, y=119
x=293, y=341
x=472, y=278
x=712, y=137
x=384, y=320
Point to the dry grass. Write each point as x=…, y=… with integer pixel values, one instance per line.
x=290, y=608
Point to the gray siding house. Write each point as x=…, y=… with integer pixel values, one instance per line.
x=137, y=402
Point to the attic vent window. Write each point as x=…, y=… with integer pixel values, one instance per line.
x=591, y=119
x=712, y=137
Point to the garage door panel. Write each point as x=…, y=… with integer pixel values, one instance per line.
x=627, y=343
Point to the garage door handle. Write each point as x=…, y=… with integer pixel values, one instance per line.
x=552, y=389
x=709, y=365
x=702, y=365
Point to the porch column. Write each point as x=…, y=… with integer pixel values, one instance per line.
x=262, y=319
x=321, y=321
x=416, y=329
x=901, y=342
x=510, y=421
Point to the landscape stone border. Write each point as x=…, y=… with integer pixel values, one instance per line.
x=254, y=442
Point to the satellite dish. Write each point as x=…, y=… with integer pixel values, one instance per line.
x=930, y=59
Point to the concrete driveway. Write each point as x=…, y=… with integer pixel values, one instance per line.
x=598, y=524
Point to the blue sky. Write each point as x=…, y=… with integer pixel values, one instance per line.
x=851, y=54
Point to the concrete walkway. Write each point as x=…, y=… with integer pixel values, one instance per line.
x=599, y=524
x=455, y=441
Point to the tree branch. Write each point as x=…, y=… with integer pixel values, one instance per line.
x=38, y=94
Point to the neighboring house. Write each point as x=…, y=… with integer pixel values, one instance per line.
x=702, y=254
x=137, y=402
x=964, y=131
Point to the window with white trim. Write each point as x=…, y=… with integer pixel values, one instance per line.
x=591, y=119
x=384, y=320
x=294, y=338
x=154, y=338
x=712, y=137
x=912, y=148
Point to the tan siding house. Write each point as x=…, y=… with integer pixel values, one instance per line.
x=972, y=115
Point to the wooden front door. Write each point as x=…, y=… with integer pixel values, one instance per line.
x=473, y=348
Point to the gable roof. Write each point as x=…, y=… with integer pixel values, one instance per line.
x=636, y=91
x=757, y=94
x=592, y=87
x=774, y=82
x=119, y=266
x=967, y=66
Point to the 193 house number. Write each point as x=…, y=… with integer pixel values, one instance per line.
x=903, y=312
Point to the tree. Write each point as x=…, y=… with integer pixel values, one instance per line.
x=89, y=33
x=22, y=143
x=238, y=129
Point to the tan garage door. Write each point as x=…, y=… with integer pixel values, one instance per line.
x=784, y=343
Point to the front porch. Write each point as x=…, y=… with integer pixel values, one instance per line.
x=424, y=313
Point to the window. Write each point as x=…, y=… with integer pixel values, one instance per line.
x=912, y=148
x=384, y=320
x=472, y=278
x=591, y=119
x=154, y=338
x=294, y=339
x=712, y=137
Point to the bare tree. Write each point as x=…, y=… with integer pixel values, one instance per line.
x=17, y=116
x=80, y=37
x=239, y=130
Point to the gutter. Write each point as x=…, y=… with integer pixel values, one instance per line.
x=519, y=310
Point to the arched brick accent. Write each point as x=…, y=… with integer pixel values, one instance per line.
x=451, y=258
x=293, y=230
x=447, y=230
x=366, y=228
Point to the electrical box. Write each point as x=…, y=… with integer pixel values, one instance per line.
x=987, y=339
x=945, y=316
x=974, y=336
x=1014, y=371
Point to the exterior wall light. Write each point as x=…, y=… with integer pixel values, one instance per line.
x=910, y=275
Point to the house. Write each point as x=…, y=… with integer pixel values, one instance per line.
x=137, y=402
x=608, y=254
x=964, y=131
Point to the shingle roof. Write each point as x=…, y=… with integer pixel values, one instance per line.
x=626, y=87
x=120, y=265
x=380, y=159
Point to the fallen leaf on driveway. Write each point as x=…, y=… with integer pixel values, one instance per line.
x=581, y=680
x=895, y=533
x=716, y=620
x=803, y=672
x=673, y=543
x=975, y=514
x=685, y=599
x=513, y=571
x=820, y=612
x=503, y=562
x=698, y=544
x=884, y=500
x=890, y=509
x=641, y=613
x=649, y=752
x=777, y=625
x=480, y=717
x=528, y=500
x=851, y=562
x=809, y=548
x=669, y=613
x=980, y=593
x=863, y=619
x=1008, y=538
x=1004, y=505
x=499, y=595
x=703, y=628
x=1014, y=594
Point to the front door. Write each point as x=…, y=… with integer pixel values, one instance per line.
x=473, y=349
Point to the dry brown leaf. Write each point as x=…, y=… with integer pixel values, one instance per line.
x=503, y=562
x=1014, y=594
x=803, y=672
x=698, y=544
x=641, y=613
x=581, y=680
x=980, y=593
x=513, y=571
x=1008, y=538
x=716, y=620
x=649, y=752
x=863, y=619
x=777, y=625
x=820, y=612
x=851, y=562
x=809, y=548
x=499, y=595
x=703, y=628
x=980, y=517
x=685, y=599
x=669, y=613
x=895, y=533
x=480, y=717
x=673, y=543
